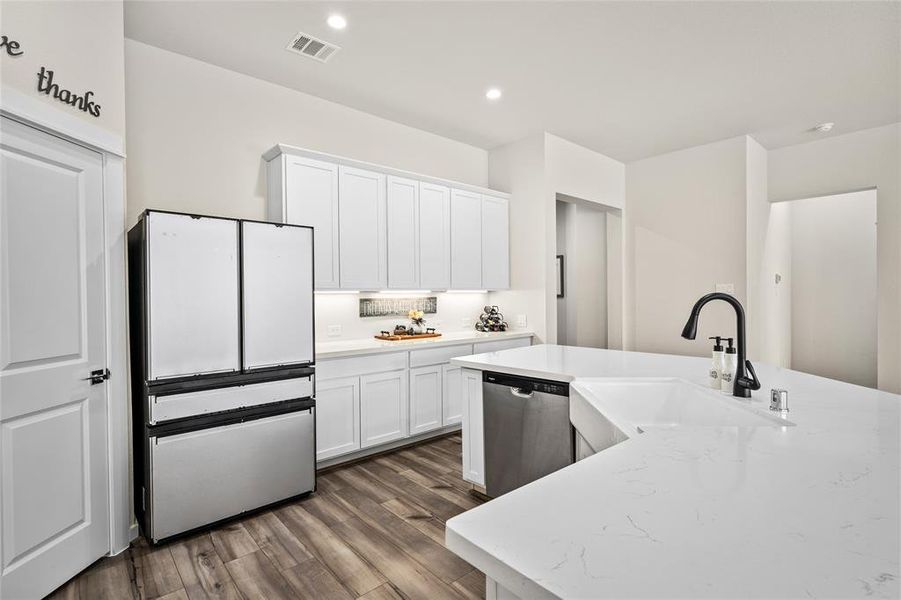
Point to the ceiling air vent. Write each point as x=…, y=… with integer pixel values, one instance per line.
x=307, y=45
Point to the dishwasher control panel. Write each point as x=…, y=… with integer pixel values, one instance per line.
x=527, y=384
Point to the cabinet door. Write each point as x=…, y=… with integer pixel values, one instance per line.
x=383, y=407
x=434, y=236
x=311, y=198
x=466, y=240
x=403, y=233
x=362, y=229
x=337, y=417
x=193, y=313
x=452, y=396
x=277, y=270
x=473, y=428
x=495, y=243
x=425, y=399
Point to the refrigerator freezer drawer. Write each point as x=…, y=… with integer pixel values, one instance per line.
x=176, y=406
x=203, y=476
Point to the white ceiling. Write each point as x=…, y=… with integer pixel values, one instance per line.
x=628, y=79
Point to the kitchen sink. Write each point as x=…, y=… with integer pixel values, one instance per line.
x=630, y=405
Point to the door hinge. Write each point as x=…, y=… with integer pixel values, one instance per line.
x=98, y=376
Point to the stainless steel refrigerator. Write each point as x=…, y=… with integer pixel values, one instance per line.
x=222, y=365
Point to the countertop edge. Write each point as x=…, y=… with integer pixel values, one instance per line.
x=407, y=346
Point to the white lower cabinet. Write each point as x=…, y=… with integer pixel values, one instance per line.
x=473, y=428
x=452, y=394
x=383, y=408
x=425, y=399
x=337, y=417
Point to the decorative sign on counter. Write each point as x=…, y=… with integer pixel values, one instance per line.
x=397, y=307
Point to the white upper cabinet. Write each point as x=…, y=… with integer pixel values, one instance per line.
x=466, y=240
x=434, y=237
x=304, y=191
x=277, y=270
x=363, y=231
x=193, y=298
x=378, y=228
x=403, y=233
x=495, y=243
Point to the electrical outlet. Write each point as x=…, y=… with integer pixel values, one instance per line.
x=334, y=330
x=726, y=288
x=465, y=322
x=521, y=321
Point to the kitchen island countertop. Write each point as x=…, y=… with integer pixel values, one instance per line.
x=805, y=510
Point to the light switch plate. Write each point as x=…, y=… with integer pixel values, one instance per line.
x=334, y=330
x=726, y=288
x=521, y=321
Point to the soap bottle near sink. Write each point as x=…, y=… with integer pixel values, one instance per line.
x=716, y=366
x=730, y=363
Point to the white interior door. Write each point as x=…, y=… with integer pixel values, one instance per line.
x=54, y=496
x=278, y=294
x=194, y=317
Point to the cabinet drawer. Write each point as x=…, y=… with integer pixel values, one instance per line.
x=360, y=365
x=498, y=345
x=437, y=356
x=176, y=406
x=204, y=476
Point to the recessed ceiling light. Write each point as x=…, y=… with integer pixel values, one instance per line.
x=824, y=127
x=336, y=21
x=493, y=94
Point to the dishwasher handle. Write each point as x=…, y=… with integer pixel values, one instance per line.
x=521, y=394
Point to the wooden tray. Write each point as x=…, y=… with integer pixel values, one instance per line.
x=405, y=337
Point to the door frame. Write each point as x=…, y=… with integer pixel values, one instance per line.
x=39, y=115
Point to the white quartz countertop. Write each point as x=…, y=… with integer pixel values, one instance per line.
x=805, y=510
x=371, y=345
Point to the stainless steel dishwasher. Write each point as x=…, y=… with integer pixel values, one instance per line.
x=527, y=430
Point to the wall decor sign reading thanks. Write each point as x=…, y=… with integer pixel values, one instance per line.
x=11, y=46
x=81, y=102
x=46, y=85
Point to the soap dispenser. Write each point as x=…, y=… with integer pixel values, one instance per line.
x=716, y=366
x=730, y=363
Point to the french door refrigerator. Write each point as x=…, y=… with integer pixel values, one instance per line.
x=222, y=362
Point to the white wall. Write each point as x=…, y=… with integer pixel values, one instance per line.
x=198, y=133
x=81, y=42
x=856, y=161
x=684, y=233
x=776, y=297
x=535, y=170
x=576, y=171
x=588, y=277
x=456, y=312
x=833, y=267
x=519, y=168
x=759, y=281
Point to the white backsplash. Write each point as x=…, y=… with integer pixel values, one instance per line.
x=342, y=311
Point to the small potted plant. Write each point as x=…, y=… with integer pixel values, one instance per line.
x=417, y=317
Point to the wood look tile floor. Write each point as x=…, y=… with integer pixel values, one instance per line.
x=373, y=530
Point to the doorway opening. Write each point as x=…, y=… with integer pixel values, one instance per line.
x=588, y=244
x=829, y=289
